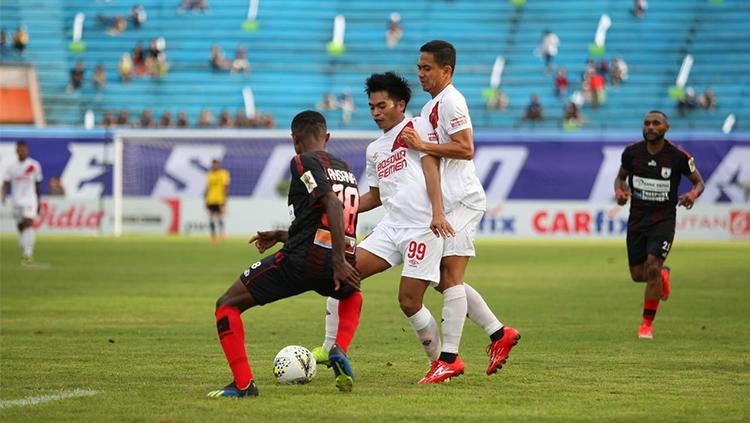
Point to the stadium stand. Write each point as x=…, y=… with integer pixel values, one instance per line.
x=291, y=69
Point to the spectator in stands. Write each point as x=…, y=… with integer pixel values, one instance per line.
x=572, y=116
x=182, y=120
x=156, y=59
x=192, y=5
x=55, y=186
x=108, y=120
x=77, y=76
x=498, y=100
x=138, y=16
x=139, y=59
x=165, y=121
x=561, y=83
x=217, y=60
x=597, y=84
x=225, y=120
x=147, y=119
x=534, y=111
x=125, y=68
x=619, y=70
x=707, y=100
x=639, y=8
x=327, y=103
x=688, y=102
x=395, y=31
x=20, y=39
x=346, y=102
x=548, y=47
x=115, y=24
x=241, y=120
x=123, y=119
x=3, y=40
x=205, y=119
x=603, y=68
x=240, y=62
x=267, y=121
x=100, y=77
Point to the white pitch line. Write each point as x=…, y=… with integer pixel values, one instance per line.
x=46, y=398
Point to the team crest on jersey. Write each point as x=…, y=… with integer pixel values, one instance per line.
x=666, y=172
x=691, y=164
x=309, y=181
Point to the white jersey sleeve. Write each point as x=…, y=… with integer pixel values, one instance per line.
x=370, y=167
x=454, y=113
x=38, y=176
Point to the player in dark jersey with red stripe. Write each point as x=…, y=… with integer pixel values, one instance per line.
x=653, y=169
x=318, y=252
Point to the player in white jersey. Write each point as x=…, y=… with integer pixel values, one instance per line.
x=24, y=177
x=407, y=184
x=464, y=203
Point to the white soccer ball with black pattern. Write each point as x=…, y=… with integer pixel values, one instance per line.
x=294, y=365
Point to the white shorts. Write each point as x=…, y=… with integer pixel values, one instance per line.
x=418, y=248
x=24, y=212
x=464, y=221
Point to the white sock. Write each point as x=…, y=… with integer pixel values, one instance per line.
x=332, y=323
x=427, y=332
x=27, y=241
x=454, y=315
x=479, y=312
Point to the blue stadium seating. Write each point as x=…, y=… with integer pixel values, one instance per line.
x=291, y=69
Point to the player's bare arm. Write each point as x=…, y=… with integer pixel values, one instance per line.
x=688, y=199
x=461, y=145
x=369, y=200
x=343, y=272
x=266, y=239
x=621, y=194
x=431, y=169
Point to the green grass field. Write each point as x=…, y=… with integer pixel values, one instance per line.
x=132, y=319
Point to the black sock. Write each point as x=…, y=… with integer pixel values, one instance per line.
x=448, y=357
x=212, y=225
x=498, y=334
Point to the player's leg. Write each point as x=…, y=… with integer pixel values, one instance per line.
x=638, y=259
x=410, y=298
x=658, y=244
x=263, y=282
x=220, y=217
x=636, y=244
x=374, y=255
x=452, y=271
x=26, y=232
x=211, y=223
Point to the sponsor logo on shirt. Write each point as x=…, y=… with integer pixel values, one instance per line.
x=459, y=121
x=652, y=163
x=309, y=181
x=648, y=189
x=392, y=164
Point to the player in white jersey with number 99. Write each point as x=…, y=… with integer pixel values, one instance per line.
x=464, y=202
x=24, y=177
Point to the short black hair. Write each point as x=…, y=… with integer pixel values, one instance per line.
x=397, y=86
x=309, y=122
x=659, y=112
x=443, y=52
x=21, y=144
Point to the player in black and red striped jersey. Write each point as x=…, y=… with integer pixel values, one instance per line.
x=653, y=168
x=318, y=254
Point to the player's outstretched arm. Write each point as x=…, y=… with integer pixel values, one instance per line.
x=688, y=199
x=343, y=272
x=621, y=195
x=439, y=225
x=461, y=145
x=369, y=200
x=266, y=239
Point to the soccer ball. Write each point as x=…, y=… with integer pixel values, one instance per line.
x=294, y=365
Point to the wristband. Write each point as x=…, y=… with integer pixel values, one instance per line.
x=694, y=193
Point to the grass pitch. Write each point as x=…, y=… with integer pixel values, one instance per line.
x=132, y=320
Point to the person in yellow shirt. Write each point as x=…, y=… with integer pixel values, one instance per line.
x=217, y=191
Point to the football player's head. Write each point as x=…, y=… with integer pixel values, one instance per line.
x=309, y=131
x=437, y=62
x=22, y=149
x=655, y=126
x=388, y=95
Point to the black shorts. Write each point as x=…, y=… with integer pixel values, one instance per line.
x=656, y=241
x=276, y=277
x=214, y=208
